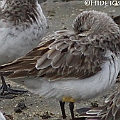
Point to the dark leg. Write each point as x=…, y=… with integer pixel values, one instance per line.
x=5, y=90
x=71, y=106
x=62, y=105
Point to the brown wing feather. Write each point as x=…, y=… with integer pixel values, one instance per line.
x=112, y=107
x=61, y=55
x=110, y=111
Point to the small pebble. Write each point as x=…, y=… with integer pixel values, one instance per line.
x=21, y=105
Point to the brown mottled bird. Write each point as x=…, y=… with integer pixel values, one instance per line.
x=22, y=25
x=72, y=65
x=110, y=111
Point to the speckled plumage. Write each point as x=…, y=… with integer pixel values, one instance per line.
x=78, y=64
x=112, y=107
x=110, y=111
x=22, y=26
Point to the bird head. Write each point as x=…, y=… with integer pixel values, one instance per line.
x=94, y=23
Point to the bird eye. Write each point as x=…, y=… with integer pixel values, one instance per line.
x=81, y=30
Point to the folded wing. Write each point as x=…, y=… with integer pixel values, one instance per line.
x=60, y=55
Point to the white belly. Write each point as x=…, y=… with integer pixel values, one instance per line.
x=16, y=43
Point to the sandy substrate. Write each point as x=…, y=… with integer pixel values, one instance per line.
x=60, y=16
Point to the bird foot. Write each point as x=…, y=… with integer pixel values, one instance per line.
x=7, y=92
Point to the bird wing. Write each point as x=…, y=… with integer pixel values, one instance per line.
x=110, y=111
x=112, y=107
x=59, y=56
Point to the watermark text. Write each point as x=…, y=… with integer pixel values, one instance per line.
x=101, y=3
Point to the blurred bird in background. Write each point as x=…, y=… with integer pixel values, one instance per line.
x=22, y=25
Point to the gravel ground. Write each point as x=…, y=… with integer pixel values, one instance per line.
x=31, y=107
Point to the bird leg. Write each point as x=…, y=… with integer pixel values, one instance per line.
x=62, y=105
x=71, y=107
x=5, y=90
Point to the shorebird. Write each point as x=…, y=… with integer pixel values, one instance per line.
x=22, y=25
x=71, y=65
x=110, y=111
